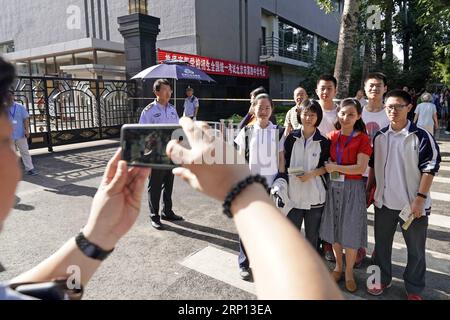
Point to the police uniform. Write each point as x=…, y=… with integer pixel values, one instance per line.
x=155, y=113
x=190, y=104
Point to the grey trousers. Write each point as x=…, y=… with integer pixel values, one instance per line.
x=386, y=221
x=312, y=219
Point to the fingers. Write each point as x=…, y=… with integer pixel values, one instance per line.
x=112, y=166
x=187, y=176
x=178, y=153
x=120, y=178
x=189, y=129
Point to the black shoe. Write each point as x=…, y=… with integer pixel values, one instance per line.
x=170, y=216
x=245, y=273
x=157, y=225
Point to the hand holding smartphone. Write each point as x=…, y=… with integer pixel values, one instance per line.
x=145, y=145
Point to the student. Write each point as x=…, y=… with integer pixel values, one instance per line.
x=375, y=118
x=360, y=97
x=326, y=91
x=307, y=149
x=250, y=118
x=344, y=220
x=261, y=146
x=403, y=164
x=291, y=122
x=285, y=266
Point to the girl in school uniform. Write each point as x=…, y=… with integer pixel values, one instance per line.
x=307, y=150
x=344, y=220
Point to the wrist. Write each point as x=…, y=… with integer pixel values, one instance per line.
x=253, y=192
x=105, y=242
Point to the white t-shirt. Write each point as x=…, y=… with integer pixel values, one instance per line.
x=425, y=110
x=395, y=195
x=375, y=121
x=363, y=102
x=328, y=121
x=264, y=146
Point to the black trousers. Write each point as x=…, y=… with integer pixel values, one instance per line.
x=160, y=180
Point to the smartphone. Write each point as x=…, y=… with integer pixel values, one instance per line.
x=144, y=145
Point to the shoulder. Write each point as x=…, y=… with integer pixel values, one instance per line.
x=333, y=135
x=149, y=107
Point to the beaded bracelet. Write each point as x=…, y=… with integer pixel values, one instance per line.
x=238, y=189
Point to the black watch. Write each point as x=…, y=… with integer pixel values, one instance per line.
x=90, y=249
x=421, y=195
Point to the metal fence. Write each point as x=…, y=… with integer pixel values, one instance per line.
x=69, y=110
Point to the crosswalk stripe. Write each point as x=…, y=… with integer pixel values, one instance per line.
x=222, y=265
x=444, y=168
x=441, y=179
x=440, y=196
x=434, y=219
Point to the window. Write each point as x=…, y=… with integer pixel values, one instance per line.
x=263, y=35
x=7, y=47
x=295, y=43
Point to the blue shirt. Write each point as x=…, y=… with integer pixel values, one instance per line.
x=18, y=114
x=155, y=113
x=190, y=104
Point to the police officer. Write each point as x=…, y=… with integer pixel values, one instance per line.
x=191, y=104
x=160, y=111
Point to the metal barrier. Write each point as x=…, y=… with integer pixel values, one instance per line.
x=69, y=110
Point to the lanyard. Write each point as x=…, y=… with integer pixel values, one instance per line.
x=340, y=153
x=13, y=115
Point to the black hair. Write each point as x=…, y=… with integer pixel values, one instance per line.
x=264, y=96
x=327, y=77
x=399, y=94
x=376, y=75
x=158, y=83
x=257, y=92
x=312, y=106
x=359, y=124
x=7, y=76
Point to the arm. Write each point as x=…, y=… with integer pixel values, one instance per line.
x=424, y=188
x=114, y=210
x=436, y=122
x=281, y=162
x=416, y=116
x=359, y=168
x=26, y=125
x=273, y=244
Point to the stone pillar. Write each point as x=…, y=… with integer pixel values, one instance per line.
x=139, y=32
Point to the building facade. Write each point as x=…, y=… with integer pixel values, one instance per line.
x=80, y=38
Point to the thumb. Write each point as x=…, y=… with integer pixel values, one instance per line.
x=187, y=176
x=120, y=178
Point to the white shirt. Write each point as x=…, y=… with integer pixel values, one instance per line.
x=425, y=110
x=375, y=121
x=264, y=147
x=395, y=195
x=328, y=121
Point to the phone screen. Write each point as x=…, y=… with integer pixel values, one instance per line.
x=145, y=145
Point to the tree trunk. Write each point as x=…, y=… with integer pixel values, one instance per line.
x=388, y=32
x=347, y=42
x=367, y=60
x=379, y=49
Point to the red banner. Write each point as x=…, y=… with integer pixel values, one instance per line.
x=217, y=66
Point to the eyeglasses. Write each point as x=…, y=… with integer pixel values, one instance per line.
x=397, y=107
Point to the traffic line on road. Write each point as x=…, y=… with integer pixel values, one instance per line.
x=441, y=179
x=434, y=219
x=222, y=265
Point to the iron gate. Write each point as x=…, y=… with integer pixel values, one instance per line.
x=68, y=110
